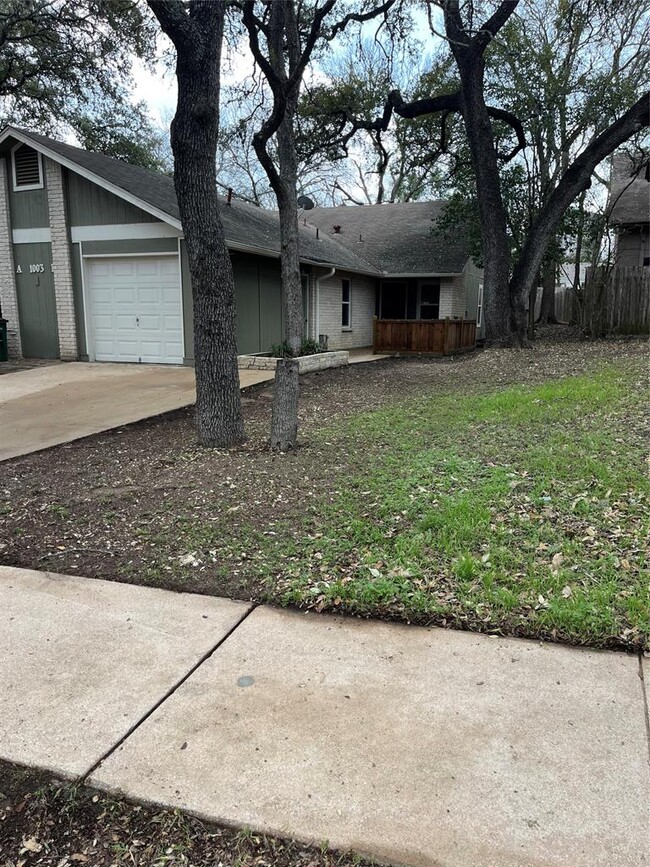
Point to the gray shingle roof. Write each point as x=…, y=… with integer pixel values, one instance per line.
x=396, y=238
x=244, y=224
x=629, y=199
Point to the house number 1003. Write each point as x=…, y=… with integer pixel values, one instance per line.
x=37, y=269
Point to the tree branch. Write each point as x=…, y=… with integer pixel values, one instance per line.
x=360, y=17
x=489, y=30
x=575, y=180
x=175, y=22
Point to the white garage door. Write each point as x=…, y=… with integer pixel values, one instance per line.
x=135, y=309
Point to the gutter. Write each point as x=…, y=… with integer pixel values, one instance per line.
x=329, y=274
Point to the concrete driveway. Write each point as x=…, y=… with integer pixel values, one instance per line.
x=56, y=404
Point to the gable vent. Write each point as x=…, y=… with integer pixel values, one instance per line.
x=27, y=167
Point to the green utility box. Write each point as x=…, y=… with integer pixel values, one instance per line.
x=4, y=349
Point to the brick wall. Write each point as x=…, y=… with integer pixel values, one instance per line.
x=8, y=298
x=61, y=266
x=362, y=310
x=452, y=297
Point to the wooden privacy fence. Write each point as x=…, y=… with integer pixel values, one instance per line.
x=616, y=301
x=425, y=336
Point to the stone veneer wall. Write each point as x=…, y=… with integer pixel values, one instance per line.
x=8, y=297
x=307, y=363
x=61, y=265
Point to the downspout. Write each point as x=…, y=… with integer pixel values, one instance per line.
x=330, y=273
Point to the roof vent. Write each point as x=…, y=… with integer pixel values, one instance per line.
x=337, y=230
x=27, y=168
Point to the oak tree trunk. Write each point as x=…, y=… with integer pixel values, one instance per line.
x=197, y=33
x=284, y=415
x=503, y=323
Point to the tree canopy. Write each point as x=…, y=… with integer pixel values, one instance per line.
x=66, y=65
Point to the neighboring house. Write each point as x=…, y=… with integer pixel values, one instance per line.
x=629, y=211
x=93, y=264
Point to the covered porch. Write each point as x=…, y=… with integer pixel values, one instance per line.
x=424, y=315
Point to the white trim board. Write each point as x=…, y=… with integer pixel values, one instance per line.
x=32, y=236
x=124, y=232
x=11, y=132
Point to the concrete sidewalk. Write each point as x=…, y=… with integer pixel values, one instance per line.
x=418, y=746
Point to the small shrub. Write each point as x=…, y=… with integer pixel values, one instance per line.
x=307, y=347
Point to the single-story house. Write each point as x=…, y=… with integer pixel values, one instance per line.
x=93, y=264
x=629, y=211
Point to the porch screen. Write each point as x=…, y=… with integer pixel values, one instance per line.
x=430, y=300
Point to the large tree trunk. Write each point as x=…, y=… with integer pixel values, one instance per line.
x=284, y=41
x=284, y=415
x=503, y=324
x=198, y=38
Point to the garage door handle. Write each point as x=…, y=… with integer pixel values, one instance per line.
x=137, y=320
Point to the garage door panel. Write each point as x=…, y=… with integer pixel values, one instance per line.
x=136, y=309
x=148, y=269
x=151, y=322
x=124, y=295
x=123, y=268
x=169, y=296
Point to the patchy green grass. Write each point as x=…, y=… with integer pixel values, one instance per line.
x=523, y=511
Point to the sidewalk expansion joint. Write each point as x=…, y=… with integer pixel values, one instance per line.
x=646, y=708
x=83, y=777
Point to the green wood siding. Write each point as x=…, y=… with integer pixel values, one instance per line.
x=258, y=294
x=36, y=302
x=271, y=324
x=28, y=207
x=129, y=246
x=247, y=293
x=90, y=205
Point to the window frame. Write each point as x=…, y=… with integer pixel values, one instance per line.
x=19, y=188
x=437, y=283
x=346, y=306
x=479, y=305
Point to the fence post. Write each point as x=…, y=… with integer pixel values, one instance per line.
x=374, y=335
x=445, y=339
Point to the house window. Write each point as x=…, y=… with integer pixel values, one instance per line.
x=430, y=300
x=346, y=304
x=27, y=168
x=393, y=300
x=479, y=306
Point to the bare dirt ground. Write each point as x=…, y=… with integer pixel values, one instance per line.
x=56, y=824
x=145, y=504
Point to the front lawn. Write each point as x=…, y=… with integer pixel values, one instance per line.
x=523, y=511
x=506, y=492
